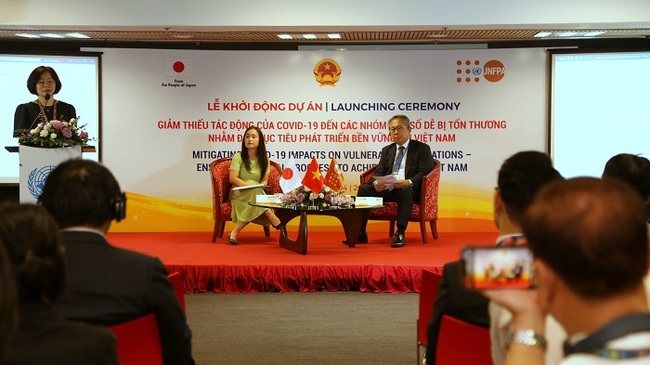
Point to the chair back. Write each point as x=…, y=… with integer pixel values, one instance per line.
x=366, y=176
x=425, y=208
x=138, y=341
x=175, y=278
x=428, y=203
x=428, y=291
x=462, y=343
x=220, y=179
x=274, y=178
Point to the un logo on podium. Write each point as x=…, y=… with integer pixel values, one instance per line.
x=36, y=179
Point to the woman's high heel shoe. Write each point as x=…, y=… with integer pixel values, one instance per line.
x=278, y=226
x=231, y=240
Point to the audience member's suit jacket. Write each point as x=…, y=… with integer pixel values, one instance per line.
x=454, y=300
x=44, y=337
x=418, y=162
x=110, y=285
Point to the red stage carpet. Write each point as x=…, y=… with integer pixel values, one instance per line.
x=259, y=264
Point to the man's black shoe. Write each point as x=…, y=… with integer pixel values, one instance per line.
x=363, y=238
x=398, y=240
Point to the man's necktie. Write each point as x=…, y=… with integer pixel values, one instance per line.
x=398, y=160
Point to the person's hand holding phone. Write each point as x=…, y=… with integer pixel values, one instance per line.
x=515, y=300
x=527, y=314
x=502, y=267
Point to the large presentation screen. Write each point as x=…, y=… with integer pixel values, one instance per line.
x=598, y=109
x=79, y=75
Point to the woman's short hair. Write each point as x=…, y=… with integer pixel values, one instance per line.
x=33, y=78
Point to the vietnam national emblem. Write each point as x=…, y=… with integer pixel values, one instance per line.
x=327, y=72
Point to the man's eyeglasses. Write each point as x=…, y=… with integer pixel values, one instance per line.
x=48, y=82
x=397, y=129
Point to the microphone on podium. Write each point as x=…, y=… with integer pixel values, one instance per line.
x=40, y=112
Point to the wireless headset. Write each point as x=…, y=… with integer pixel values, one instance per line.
x=119, y=207
x=119, y=201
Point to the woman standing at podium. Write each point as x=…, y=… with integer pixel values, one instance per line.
x=250, y=167
x=44, y=83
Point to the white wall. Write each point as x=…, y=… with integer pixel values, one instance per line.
x=500, y=13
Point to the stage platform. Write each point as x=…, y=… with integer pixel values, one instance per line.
x=258, y=264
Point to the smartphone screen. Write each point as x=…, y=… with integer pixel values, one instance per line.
x=497, y=267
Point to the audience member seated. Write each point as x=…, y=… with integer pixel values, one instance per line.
x=8, y=302
x=31, y=239
x=596, y=292
x=634, y=170
x=406, y=159
x=518, y=180
x=628, y=168
x=109, y=285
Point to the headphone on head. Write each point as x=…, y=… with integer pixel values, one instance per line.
x=118, y=201
x=119, y=207
x=98, y=189
x=117, y=198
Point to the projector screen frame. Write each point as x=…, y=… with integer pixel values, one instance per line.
x=15, y=83
x=601, y=155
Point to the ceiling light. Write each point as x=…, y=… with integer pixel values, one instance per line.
x=285, y=36
x=309, y=36
x=52, y=35
x=28, y=35
x=542, y=34
x=77, y=35
x=334, y=36
x=592, y=34
x=566, y=34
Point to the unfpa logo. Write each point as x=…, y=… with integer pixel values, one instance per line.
x=471, y=71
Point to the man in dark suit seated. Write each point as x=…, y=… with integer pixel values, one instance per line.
x=520, y=177
x=109, y=285
x=408, y=160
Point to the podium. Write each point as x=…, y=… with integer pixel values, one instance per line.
x=36, y=163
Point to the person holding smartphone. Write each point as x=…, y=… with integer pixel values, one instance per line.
x=519, y=178
x=597, y=292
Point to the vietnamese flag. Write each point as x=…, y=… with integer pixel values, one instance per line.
x=313, y=179
x=334, y=177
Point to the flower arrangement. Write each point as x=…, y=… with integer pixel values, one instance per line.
x=304, y=198
x=55, y=133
